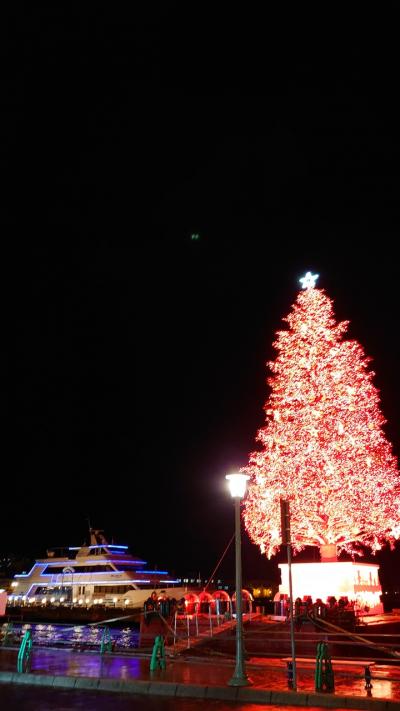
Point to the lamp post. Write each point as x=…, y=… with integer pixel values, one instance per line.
x=237, y=486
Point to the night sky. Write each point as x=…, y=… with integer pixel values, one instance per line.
x=137, y=354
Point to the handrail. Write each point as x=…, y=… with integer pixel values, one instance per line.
x=361, y=640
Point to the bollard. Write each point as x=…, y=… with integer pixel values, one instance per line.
x=158, y=654
x=318, y=668
x=289, y=672
x=368, y=677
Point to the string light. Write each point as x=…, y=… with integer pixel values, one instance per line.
x=323, y=447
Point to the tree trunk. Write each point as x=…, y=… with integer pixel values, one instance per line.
x=328, y=553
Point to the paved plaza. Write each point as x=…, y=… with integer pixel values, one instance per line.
x=203, y=678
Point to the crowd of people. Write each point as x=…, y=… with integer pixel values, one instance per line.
x=162, y=606
x=333, y=610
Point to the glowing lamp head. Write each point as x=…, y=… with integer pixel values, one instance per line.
x=237, y=484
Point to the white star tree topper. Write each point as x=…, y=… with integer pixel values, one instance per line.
x=308, y=281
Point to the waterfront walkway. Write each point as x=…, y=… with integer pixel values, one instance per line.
x=192, y=677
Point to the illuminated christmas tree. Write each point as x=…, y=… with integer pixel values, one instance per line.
x=323, y=447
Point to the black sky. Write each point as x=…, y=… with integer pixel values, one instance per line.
x=137, y=355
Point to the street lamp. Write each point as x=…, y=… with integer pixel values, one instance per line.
x=237, y=486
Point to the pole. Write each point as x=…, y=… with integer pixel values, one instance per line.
x=286, y=540
x=239, y=677
x=292, y=642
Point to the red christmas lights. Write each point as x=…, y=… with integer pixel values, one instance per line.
x=323, y=447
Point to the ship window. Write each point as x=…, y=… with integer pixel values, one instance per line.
x=112, y=589
x=58, y=569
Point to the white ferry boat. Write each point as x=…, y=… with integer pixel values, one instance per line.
x=98, y=574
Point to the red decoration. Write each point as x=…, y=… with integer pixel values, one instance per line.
x=323, y=447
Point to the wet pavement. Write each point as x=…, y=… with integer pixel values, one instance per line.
x=210, y=672
x=33, y=699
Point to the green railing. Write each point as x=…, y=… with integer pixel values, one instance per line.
x=24, y=652
x=158, y=654
x=324, y=679
x=106, y=641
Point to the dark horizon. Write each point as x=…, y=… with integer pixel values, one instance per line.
x=138, y=394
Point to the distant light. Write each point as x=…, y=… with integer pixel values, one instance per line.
x=195, y=237
x=100, y=600
x=126, y=602
x=14, y=584
x=2, y=590
x=237, y=484
x=52, y=599
x=115, y=599
x=43, y=600
x=87, y=600
x=308, y=281
x=103, y=545
x=74, y=599
x=62, y=599
x=80, y=601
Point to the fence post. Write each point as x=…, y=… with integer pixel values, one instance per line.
x=368, y=677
